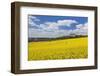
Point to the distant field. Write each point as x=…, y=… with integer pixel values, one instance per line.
x=59, y=49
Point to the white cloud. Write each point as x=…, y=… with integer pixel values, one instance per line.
x=49, y=26
x=38, y=33
x=33, y=18
x=48, y=33
x=79, y=26
x=61, y=23
x=85, y=26
x=51, y=29
x=65, y=22
x=55, y=25
x=81, y=29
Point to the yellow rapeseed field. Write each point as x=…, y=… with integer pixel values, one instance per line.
x=74, y=48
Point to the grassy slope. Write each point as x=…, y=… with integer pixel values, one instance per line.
x=59, y=49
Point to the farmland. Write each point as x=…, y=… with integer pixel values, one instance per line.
x=74, y=48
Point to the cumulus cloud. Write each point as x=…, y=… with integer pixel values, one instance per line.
x=66, y=22
x=51, y=29
x=79, y=26
x=38, y=33
x=32, y=20
x=61, y=23
x=49, y=26
x=55, y=25
x=81, y=29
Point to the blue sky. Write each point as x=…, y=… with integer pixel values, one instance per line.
x=56, y=26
